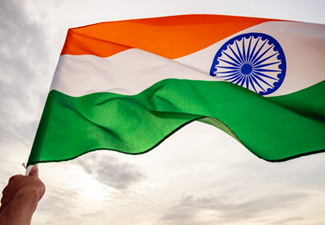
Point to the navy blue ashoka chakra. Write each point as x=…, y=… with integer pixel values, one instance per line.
x=255, y=61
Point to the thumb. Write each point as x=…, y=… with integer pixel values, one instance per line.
x=34, y=171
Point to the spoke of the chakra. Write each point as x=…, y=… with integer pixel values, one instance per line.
x=227, y=67
x=257, y=53
x=257, y=59
x=247, y=82
x=268, y=64
x=239, y=52
x=231, y=63
x=229, y=71
x=253, y=51
x=248, y=50
x=250, y=78
x=267, y=70
x=239, y=79
x=257, y=76
x=240, y=62
x=263, y=60
x=234, y=78
x=231, y=75
x=256, y=82
x=264, y=75
x=242, y=80
x=244, y=52
x=236, y=62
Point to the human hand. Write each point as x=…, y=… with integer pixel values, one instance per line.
x=20, y=198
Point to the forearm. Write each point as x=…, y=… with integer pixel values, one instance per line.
x=20, y=209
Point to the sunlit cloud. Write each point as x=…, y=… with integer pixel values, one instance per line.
x=110, y=171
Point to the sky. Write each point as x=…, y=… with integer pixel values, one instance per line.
x=199, y=175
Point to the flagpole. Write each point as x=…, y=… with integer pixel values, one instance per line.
x=29, y=168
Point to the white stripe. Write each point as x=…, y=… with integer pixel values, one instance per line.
x=128, y=72
x=131, y=71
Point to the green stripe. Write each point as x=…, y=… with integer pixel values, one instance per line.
x=274, y=129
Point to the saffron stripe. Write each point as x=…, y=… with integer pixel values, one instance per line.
x=171, y=37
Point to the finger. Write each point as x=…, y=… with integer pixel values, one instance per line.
x=13, y=178
x=33, y=172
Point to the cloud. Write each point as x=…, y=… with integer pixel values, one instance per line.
x=23, y=65
x=61, y=201
x=111, y=171
x=222, y=209
x=288, y=221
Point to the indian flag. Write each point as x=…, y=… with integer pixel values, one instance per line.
x=128, y=85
